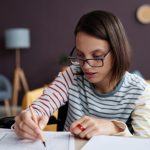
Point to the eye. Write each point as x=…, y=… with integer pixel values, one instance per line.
x=97, y=56
x=80, y=55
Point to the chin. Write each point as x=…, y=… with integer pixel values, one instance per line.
x=93, y=80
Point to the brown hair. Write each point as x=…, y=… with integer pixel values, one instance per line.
x=106, y=26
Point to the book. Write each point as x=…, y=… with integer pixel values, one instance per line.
x=117, y=143
x=54, y=141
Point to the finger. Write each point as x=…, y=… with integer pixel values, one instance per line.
x=81, y=125
x=42, y=122
x=21, y=126
x=17, y=120
x=23, y=117
x=20, y=133
x=76, y=130
x=91, y=130
x=79, y=121
x=24, y=127
x=87, y=132
x=92, y=133
x=87, y=125
x=26, y=117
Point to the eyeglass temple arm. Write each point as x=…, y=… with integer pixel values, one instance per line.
x=72, y=51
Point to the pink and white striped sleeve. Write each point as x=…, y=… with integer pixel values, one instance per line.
x=56, y=94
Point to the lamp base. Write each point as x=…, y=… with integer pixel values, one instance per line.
x=19, y=77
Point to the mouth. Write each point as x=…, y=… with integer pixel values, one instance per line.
x=90, y=74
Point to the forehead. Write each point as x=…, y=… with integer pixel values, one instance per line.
x=87, y=43
x=91, y=51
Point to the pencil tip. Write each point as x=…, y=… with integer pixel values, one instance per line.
x=44, y=144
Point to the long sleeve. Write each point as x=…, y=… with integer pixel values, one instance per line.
x=140, y=117
x=55, y=95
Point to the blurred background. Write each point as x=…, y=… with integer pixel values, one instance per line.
x=51, y=24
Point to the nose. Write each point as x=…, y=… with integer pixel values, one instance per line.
x=86, y=65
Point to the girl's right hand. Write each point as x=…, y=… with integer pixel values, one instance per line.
x=26, y=128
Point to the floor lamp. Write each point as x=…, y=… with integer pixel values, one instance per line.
x=16, y=39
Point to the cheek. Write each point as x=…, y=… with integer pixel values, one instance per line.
x=107, y=68
x=104, y=71
x=108, y=63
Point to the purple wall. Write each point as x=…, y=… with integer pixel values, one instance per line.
x=52, y=24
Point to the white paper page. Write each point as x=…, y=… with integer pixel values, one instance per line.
x=117, y=143
x=54, y=141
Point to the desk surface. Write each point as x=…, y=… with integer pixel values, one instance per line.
x=79, y=143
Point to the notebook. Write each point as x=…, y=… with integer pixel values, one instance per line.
x=117, y=143
x=54, y=141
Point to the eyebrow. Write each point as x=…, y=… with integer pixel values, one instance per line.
x=96, y=50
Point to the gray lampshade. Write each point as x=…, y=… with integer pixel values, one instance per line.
x=17, y=38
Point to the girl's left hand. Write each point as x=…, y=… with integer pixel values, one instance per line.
x=87, y=127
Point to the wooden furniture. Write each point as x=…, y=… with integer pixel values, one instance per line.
x=79, y=143
x=19, y=79
x=16, y=39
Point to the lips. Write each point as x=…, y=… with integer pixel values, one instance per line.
x=89, y=74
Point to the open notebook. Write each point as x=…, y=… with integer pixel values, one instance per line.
x=54, y=141
x=117, y=143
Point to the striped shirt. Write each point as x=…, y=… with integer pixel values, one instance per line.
x=130, y=98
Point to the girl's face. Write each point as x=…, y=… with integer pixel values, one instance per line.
x=89, y=47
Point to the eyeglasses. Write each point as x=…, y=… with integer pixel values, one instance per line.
x=96, y=62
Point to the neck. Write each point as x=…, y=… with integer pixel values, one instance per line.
x=106, y=87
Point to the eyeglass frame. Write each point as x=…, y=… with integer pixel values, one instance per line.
x=86, y=60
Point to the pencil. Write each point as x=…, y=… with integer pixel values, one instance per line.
x=36, y=121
